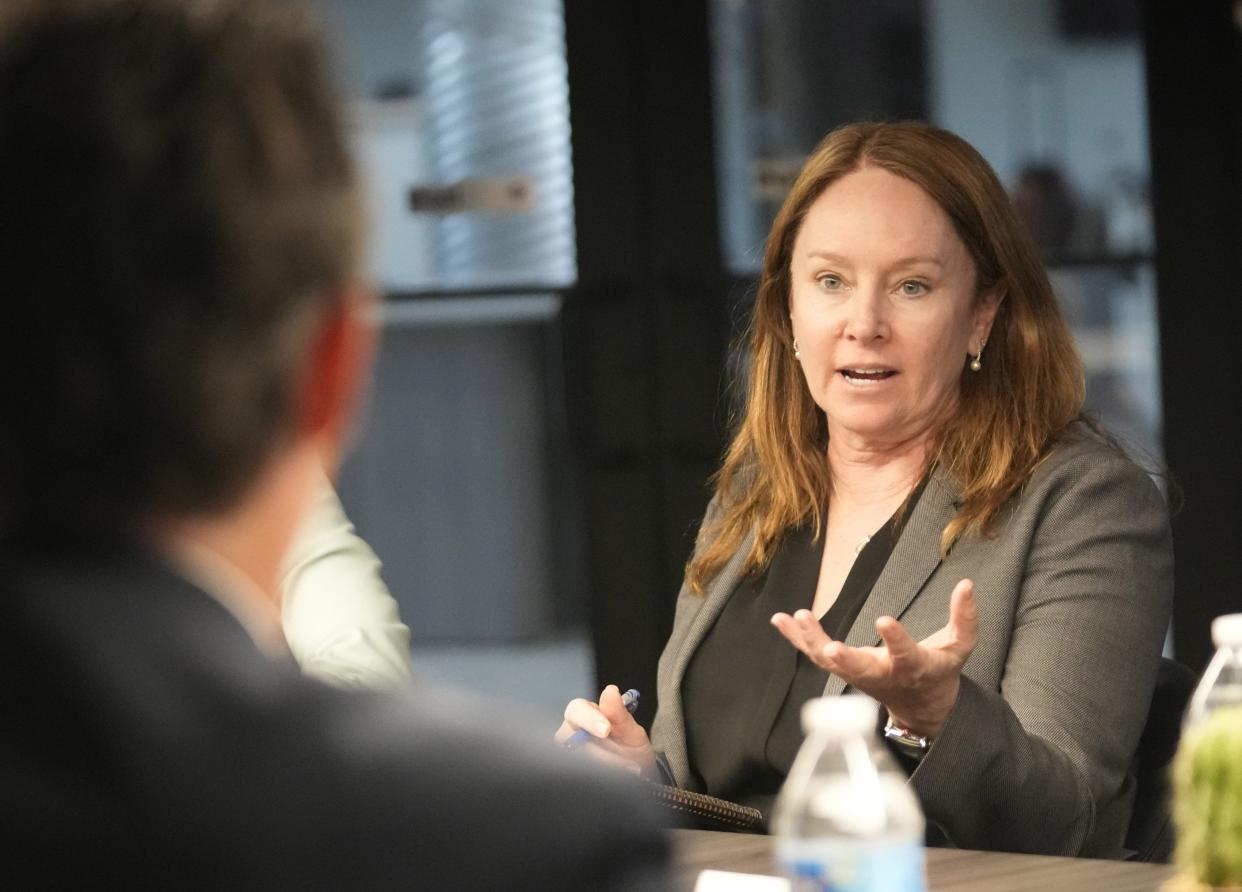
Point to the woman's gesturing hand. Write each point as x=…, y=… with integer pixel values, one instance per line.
x=615, y=737
x=917, y=681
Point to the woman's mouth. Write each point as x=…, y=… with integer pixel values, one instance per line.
x=865, y=376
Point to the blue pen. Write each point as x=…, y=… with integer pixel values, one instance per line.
x=629, y=700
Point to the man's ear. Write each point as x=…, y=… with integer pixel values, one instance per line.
x=337, y=371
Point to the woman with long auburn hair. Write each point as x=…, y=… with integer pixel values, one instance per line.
x=914, y=501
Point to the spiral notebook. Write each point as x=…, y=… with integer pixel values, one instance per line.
x=702, y=812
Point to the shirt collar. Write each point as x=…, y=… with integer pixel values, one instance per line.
x=234, y=591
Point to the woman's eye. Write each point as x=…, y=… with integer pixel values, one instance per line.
x=913, y=288
x=830, y=282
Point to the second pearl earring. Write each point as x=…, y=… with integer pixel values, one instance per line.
x=797, y=353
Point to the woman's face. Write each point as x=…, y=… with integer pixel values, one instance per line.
x=883, y=309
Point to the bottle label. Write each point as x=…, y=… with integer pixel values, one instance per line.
x=841, y=865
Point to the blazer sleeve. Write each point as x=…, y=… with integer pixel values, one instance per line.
x=339, y=618
x=1028, y=767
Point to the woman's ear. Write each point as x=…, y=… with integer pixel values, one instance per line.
x=985, y=314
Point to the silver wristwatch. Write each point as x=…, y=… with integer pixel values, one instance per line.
x=909, y=744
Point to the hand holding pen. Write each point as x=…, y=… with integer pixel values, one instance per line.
x=608, y=732
x=629, y=700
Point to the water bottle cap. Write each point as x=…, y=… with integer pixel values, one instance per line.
x=848, y=714
x=1227, y=630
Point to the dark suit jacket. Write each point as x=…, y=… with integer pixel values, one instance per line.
x=1074, y=592
x=146, y=741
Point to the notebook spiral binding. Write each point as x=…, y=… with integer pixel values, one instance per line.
x=720, y=814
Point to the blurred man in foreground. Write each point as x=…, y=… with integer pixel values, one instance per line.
x=185, y=338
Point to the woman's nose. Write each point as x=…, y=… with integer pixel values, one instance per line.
x=865, y=320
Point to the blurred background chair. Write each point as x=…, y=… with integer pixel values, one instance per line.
x=1151, y=828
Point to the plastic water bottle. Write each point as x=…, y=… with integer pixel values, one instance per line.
x=845, y=819
x=1221, y=685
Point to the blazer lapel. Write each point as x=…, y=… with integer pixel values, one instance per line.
x=914, y=559
x=714, y=600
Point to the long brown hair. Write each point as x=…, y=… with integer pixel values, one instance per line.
x=775, y=475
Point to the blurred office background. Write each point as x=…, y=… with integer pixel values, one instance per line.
x=569, y=203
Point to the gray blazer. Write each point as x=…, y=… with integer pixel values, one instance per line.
x=1074, y=592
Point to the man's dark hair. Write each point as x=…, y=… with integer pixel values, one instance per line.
x=179, y=208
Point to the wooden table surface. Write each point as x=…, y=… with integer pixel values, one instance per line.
x=948, y=870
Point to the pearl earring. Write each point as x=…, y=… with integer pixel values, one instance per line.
x=797, y=352
x=976, y=364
